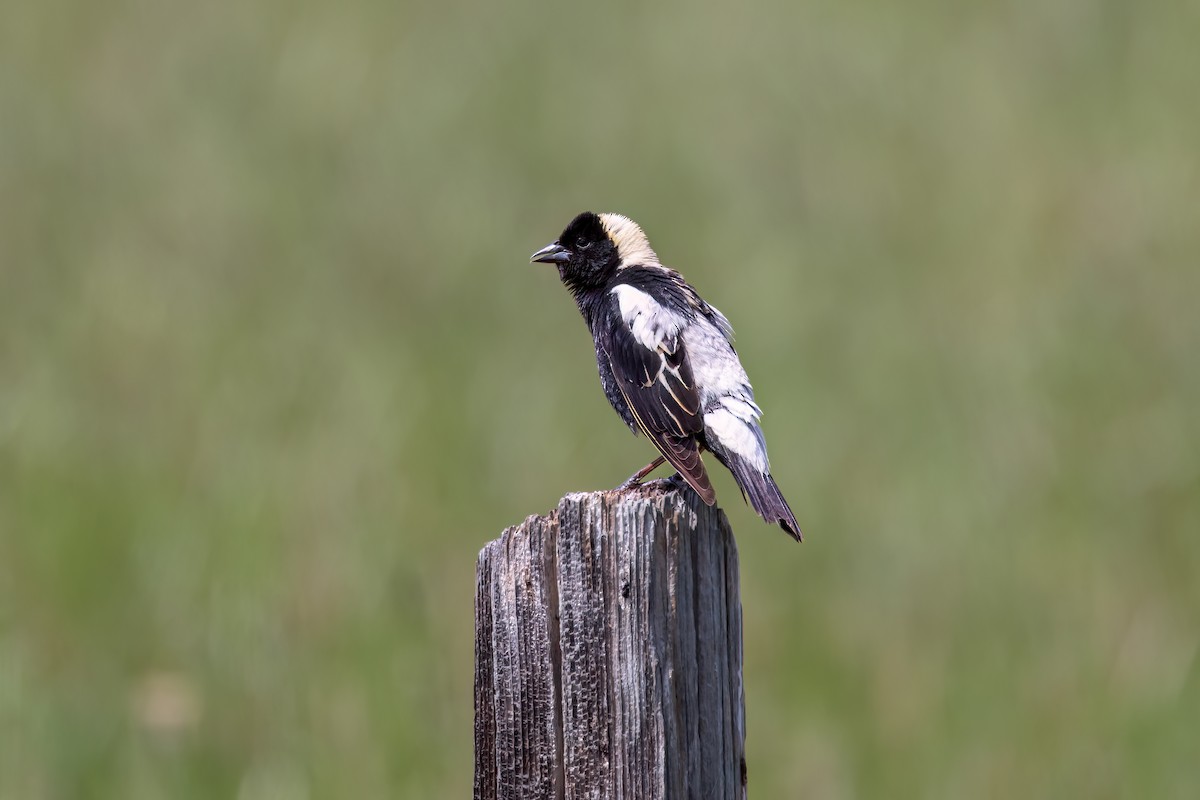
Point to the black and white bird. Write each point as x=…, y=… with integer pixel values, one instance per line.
x=666, y=359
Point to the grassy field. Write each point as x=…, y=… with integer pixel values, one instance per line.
x=274, y=366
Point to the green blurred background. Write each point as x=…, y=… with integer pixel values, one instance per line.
x=274, y=366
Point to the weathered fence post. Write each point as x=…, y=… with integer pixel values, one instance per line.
x=608, y=652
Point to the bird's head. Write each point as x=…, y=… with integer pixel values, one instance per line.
x=594, y=246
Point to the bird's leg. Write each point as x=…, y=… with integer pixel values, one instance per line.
x=636, y=477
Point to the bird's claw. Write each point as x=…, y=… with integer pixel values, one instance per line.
x=675, y=481
x=636, y=478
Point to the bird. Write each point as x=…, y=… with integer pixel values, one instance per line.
x=666, y=360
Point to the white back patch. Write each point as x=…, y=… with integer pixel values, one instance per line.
x=632, y=245
x=650, y=322
x=730, y=413
x=741, y=436
x=718, y=372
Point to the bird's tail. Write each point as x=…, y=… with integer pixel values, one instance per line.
x=763, y=495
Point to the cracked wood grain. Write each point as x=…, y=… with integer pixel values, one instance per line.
x=608, y=652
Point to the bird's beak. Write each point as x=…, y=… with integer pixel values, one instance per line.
x=553, y=253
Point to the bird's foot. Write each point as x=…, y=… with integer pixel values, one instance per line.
x=675, y=482
x=636, y=478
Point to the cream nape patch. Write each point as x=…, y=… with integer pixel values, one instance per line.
x=632, y=245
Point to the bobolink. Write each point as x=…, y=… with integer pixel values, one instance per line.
x=666, y=359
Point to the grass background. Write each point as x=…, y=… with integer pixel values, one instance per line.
x=274, y=366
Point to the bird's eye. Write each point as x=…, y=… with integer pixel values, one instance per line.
x=583, y=244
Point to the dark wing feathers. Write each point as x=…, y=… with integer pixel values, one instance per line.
x=661, y=393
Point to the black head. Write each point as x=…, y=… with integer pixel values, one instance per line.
x=585, y=253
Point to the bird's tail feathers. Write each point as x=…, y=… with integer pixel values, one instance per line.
x=763, y=495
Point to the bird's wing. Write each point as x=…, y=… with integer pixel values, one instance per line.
x=644, y=343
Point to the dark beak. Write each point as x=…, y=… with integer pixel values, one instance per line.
x=553, y=253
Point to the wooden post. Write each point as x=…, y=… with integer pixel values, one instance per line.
x=608, y=652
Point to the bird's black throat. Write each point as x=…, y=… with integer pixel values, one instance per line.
x=589, y=299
